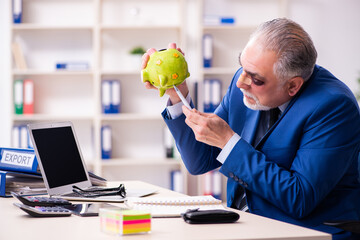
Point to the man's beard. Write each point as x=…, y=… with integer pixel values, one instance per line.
x=257, y=105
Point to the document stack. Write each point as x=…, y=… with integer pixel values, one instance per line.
x=19, y=172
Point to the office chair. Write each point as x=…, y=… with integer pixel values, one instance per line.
x=350, y=226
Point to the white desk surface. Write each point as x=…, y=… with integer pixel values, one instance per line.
x=16, y=224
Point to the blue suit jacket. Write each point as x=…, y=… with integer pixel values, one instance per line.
x=304, y=170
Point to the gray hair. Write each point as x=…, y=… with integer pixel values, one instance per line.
x=294, y=48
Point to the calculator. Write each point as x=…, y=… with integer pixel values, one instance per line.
x=41, y=201
x=41, y=211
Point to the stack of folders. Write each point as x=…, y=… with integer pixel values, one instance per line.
x=106, y=142
x=24, y=96
x=174, y=207
x=19, y=172
x=212, y=184
x=110, y=96
x=212, y=94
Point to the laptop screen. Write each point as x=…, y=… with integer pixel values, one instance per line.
x=59, y=154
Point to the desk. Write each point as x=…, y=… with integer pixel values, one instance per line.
x=16, y=224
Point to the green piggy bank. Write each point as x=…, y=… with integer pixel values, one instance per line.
x=165, y=69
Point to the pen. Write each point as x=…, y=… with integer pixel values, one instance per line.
x=182, y=98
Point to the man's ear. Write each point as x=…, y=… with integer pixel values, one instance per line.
x=294, y=85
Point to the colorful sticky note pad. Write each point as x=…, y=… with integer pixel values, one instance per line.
x=122, y=222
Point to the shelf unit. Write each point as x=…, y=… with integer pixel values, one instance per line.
x=100, y=32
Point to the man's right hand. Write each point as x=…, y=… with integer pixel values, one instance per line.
x=174, y=98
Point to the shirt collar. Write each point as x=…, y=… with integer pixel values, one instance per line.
x=283, y=106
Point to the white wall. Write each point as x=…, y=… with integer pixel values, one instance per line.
x=335, y=29
x=5, y=85
x=334, y=26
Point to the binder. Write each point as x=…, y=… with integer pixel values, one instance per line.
x=18, y=96
x=207, y=96
x=24, y=137
x=19, y=160
x=207, y=189
x=168, y=143
x=212, y=94
x=177, y=181
x=21, y=137
x=115, y=96
x=72, y=66
x=195, y=94
x=106, y=96
x=207, y=50
x=17, y=11
x=22, y=183
x=106, y=145
x=217, y=184
x=215, y=95
x=28, y=105
x=15, y=138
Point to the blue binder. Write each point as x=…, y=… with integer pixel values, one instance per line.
x=4, y=192
x=106, y=145
x=207, y=50
x=115, y=96
x=177, y=181
x=19, y=160
x=106, y=96
x=17, y=11
x=212, y=94
x=21, y=137
x=215, y=95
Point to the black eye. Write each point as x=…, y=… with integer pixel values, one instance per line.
x=257, y=82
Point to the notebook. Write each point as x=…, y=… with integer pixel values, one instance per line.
x=62, y=165
x=174, y=207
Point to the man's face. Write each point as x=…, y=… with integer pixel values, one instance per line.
x=264, y=91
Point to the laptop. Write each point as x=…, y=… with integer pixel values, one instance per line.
x=62, y=165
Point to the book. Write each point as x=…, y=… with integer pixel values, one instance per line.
x=174, y=207
x=18, y=54
x=19, y=160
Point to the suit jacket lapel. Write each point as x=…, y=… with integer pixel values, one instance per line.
x=250, y=126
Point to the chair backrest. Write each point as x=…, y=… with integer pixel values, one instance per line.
x=359, y=166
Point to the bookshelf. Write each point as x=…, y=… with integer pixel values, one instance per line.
x=100, y=33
